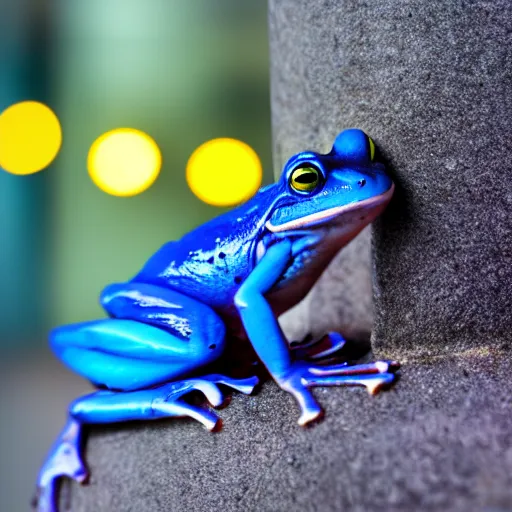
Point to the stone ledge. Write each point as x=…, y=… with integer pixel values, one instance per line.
x=440, y=440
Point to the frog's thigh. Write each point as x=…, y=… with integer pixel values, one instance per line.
x=129, y=355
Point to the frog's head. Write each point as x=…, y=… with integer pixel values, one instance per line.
x=345, y=188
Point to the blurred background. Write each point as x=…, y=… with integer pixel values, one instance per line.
x=183, y=72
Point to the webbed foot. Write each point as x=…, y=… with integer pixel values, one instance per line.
x=64, y=460
x=169, y=403
x=302, y=376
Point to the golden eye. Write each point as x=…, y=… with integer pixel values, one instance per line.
x=305, y=179
x=372, y=148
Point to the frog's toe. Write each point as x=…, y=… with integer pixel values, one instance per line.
x=374, y=376
x=208, y=386
x=46, y=498
x=210, y=390
x=356, y=369
x=245, y=386
x=182, y=409
x=321, y=348
x=373, y=382
x=309, y=417
x=64, y=458
x=380, y=382
x=296, y=385
x=393, y=366
x=63, y=461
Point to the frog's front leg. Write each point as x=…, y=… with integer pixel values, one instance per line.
x=267, y=338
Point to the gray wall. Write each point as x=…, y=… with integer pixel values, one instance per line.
x=431, y=83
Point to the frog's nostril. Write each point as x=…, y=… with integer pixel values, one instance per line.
x=362, y=182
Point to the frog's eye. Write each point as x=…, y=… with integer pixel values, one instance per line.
x=305, y=179
x=372, y=148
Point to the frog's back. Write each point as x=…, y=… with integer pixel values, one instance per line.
x=210, y=262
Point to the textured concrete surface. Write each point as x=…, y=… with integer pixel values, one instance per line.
x=441, y=440
x=431, y=82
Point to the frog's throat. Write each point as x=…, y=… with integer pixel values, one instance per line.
x=331, y=213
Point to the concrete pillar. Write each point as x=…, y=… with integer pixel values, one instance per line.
x=431, y=82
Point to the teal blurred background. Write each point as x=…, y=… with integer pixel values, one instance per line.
x=184, y=72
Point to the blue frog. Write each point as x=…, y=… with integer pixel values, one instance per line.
x=198, y=300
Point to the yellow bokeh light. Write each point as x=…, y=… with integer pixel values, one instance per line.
x=124, y=162
x=30, y=137
x=224, y=172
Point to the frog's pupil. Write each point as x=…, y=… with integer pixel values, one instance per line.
x=307, y=177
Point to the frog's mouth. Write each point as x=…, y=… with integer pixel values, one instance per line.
x=371, y=207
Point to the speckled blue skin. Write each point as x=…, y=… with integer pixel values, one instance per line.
x=228, y=279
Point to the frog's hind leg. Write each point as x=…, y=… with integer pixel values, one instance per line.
x=158, y=402
x=65, y=460
x=124, y=354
